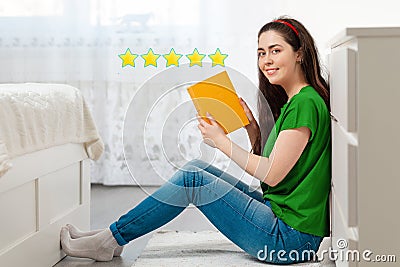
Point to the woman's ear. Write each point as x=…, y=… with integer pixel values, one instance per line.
x=299, y=56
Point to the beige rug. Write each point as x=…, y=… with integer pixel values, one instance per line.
x=205, y=248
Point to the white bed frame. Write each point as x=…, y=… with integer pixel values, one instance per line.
x=42, y=192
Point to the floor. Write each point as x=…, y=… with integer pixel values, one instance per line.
x=109, y=202
x=203, y=248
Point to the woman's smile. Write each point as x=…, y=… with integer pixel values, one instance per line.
x=271, y=71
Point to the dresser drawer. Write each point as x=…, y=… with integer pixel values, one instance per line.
x=340, y=227
x=344, y=239
x=344, y=173
x=343, y=87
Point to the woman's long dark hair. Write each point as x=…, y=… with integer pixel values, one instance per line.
x=275, y=96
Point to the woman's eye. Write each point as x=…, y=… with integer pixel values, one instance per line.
x=275, y=51
x=260, y=54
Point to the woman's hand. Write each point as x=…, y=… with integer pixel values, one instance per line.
x=253, y=130
x=249, y=114
x=213, y=134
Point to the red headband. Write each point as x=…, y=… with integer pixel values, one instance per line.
x=288, y=24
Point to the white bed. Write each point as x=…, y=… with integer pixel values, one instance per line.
x=47, y=137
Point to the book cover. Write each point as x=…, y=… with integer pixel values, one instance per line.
x=217, y=96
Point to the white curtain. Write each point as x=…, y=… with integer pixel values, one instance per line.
x=77, y=42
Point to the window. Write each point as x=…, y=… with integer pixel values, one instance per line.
x=30, y=8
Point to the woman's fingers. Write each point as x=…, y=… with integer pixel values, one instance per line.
x=243, y=104
x=212, y=120
x=246, y=109
x=201, y=119
x=202, y=126
x=203, y=123
x=202, y=130
x=198, y=118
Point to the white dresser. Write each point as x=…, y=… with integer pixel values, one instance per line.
x=365, y=101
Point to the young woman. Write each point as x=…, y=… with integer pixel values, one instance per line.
x=291, y=215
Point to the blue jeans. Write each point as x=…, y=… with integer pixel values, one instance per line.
x=240, y=214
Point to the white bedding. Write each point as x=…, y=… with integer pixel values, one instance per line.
x=38, y=116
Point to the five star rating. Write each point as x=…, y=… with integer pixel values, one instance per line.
x=172, y=58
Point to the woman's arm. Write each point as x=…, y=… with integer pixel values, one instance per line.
x=287, y=150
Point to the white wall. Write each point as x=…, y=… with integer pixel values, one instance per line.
x=235, y=24
x=324, y=19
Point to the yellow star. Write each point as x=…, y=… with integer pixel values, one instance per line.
x=150, y=58
x=218, y=58
x=195, y=58
x=128, y=58
x=172, y=58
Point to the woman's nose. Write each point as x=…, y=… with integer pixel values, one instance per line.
x=267, y=60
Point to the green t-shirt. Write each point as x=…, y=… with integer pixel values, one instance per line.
x=301, y=199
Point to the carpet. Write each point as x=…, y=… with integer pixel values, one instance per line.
x=205, y=248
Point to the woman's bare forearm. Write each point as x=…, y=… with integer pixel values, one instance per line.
x=254, y=165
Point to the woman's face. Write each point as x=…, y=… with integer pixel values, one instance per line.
x=276, y=59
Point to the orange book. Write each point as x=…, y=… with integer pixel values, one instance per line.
x=217, y=96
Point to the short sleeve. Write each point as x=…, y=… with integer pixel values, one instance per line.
x=301, y=112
